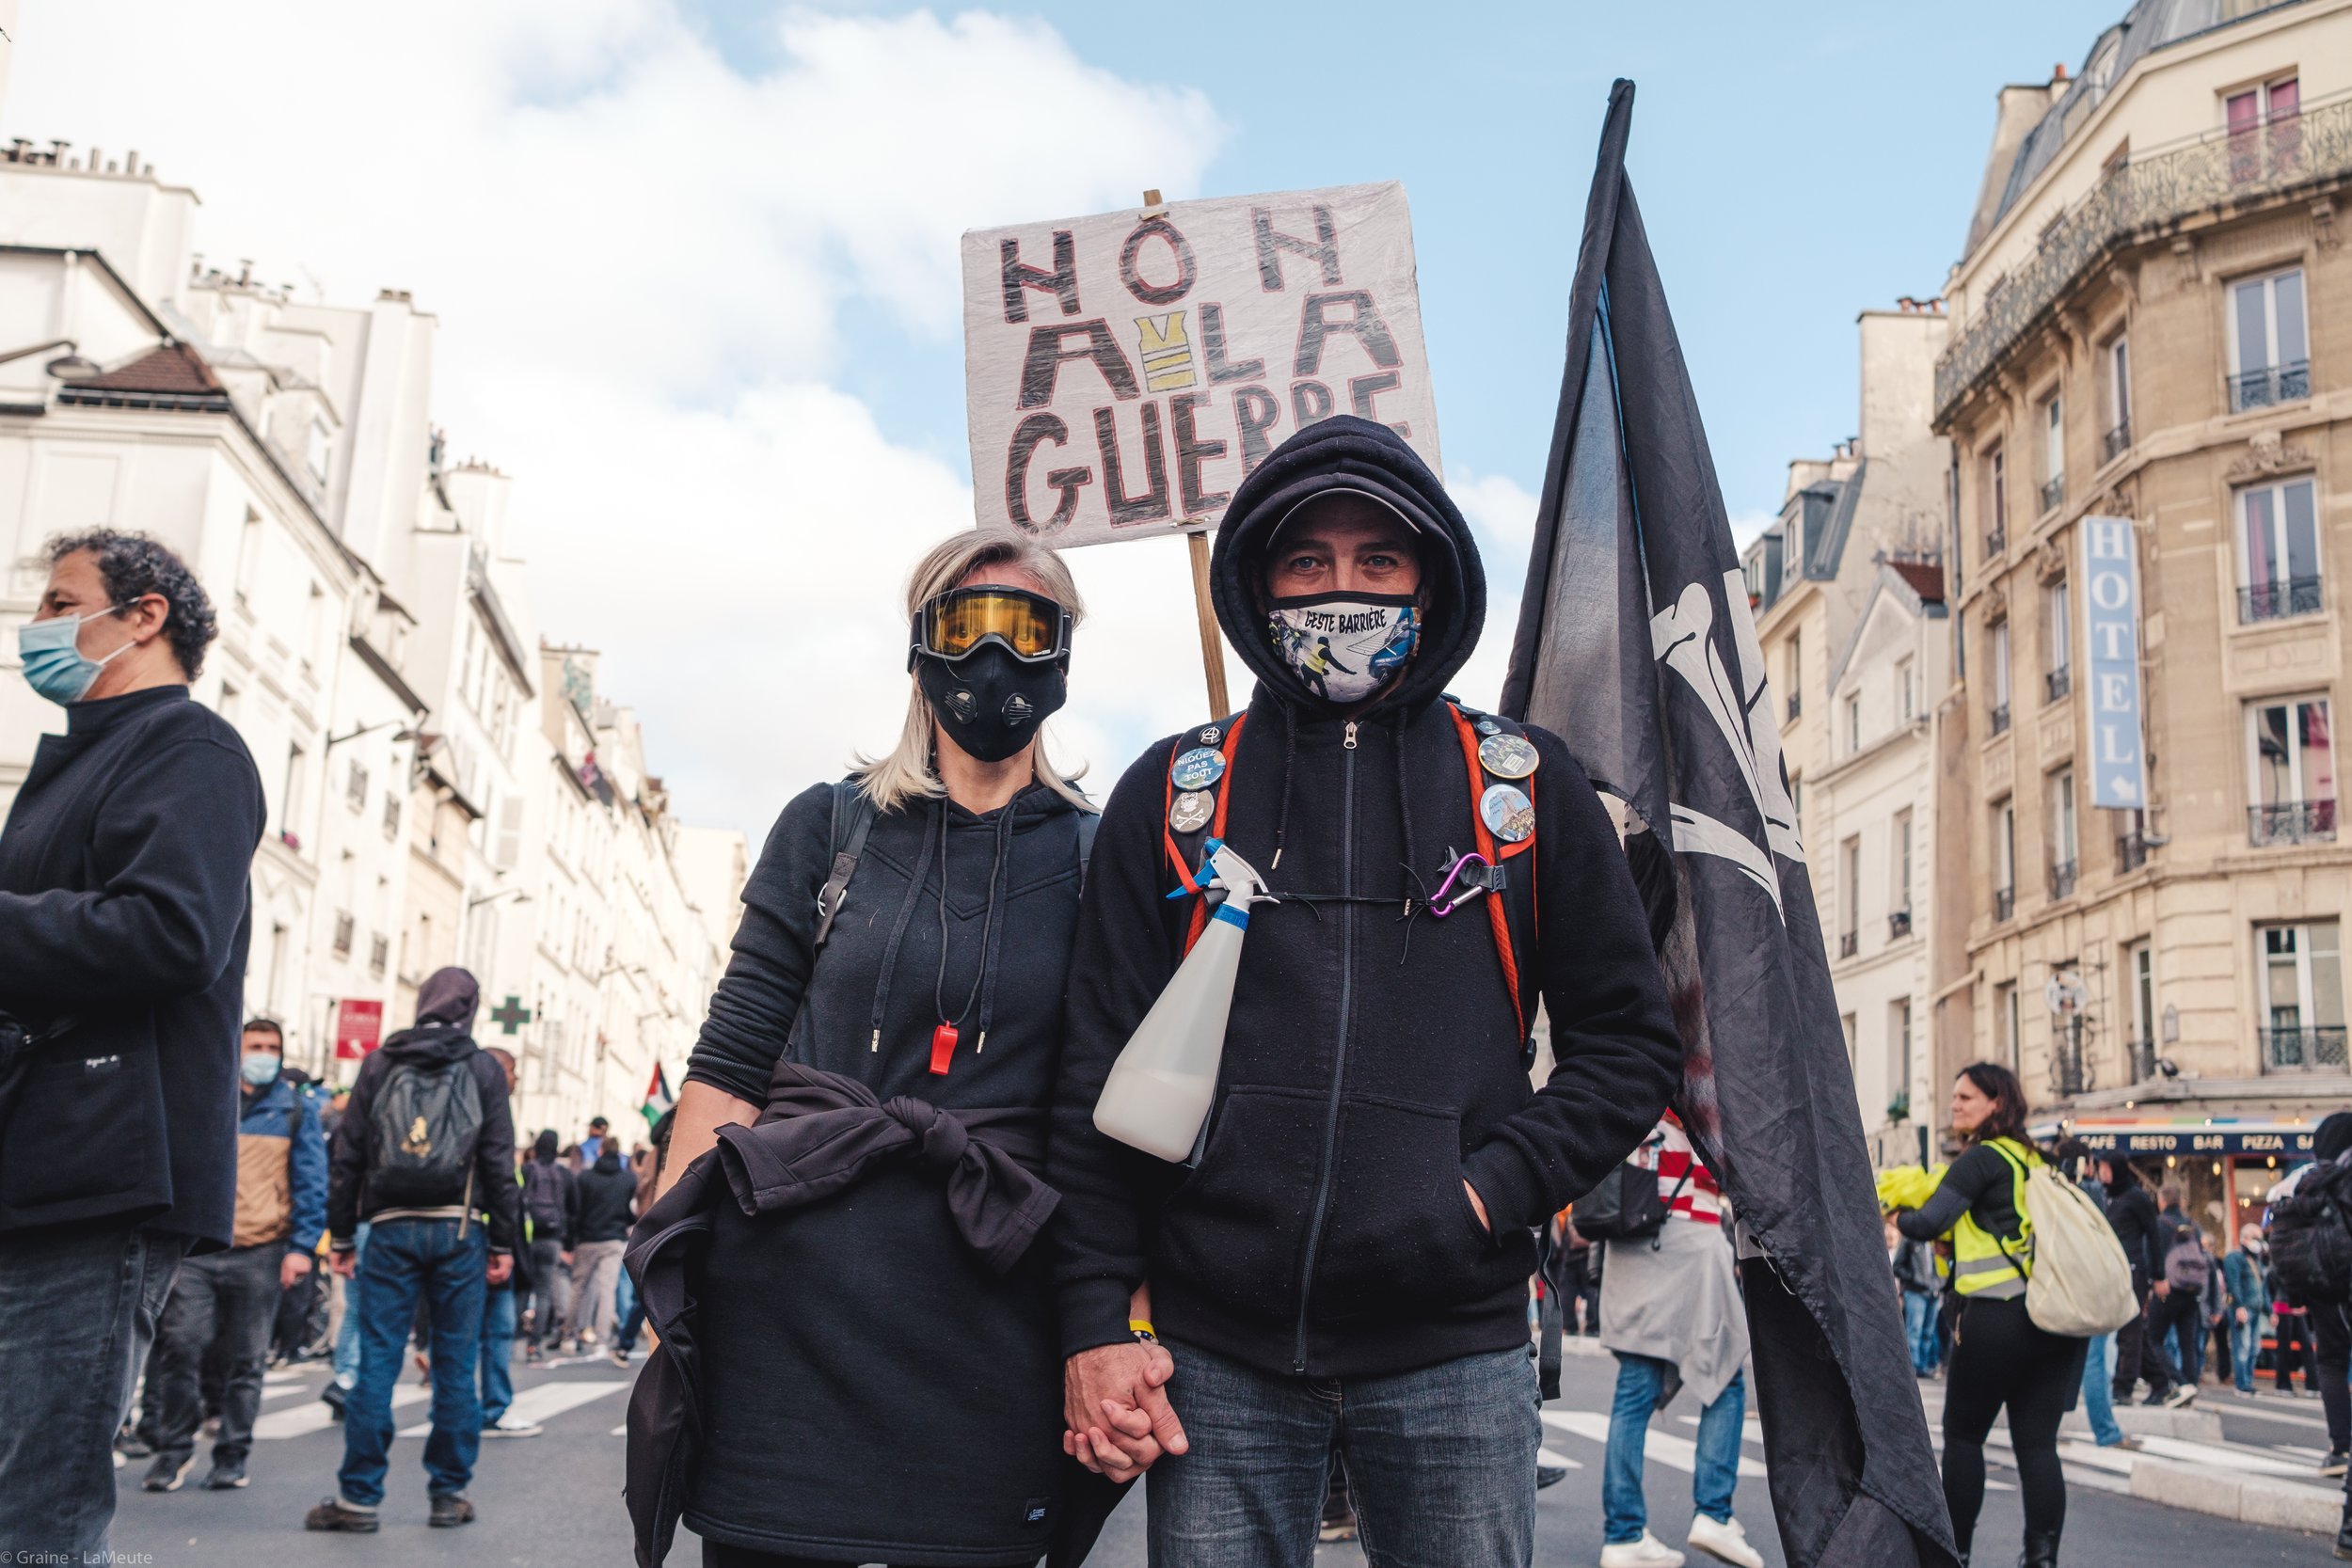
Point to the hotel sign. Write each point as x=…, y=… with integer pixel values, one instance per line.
x=2118, y=775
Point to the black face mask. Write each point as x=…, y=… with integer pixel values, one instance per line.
x=990, y=703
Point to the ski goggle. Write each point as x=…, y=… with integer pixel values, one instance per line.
x=1030, y=626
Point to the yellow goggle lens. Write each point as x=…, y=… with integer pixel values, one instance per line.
x=955, y=623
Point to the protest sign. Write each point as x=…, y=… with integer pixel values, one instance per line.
x=1124, y=371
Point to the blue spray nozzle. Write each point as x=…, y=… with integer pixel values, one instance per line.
x=1209, y=848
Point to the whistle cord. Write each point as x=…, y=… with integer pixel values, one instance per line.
x=932, y=822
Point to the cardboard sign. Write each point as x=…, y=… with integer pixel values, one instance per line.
x=358, y=1028
x=1124, y=371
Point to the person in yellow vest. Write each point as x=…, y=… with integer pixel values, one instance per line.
x=1998, y=1356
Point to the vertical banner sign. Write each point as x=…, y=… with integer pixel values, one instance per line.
x=2119, y=778
x=358, y=1027
x=1124, y=371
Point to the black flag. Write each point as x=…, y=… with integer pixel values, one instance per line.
x=1635, y=642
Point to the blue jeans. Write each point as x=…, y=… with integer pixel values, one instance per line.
x=1440, y=1462
x=498, y=1317
x=1920, y=1322
x=2246, y=1343
x=2098, y=1400
x=347, y=1336
x=78, y=1309
x=1625, y=1513
x=405, y=1259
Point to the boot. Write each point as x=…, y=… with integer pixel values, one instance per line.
x=2041, y=1549
x=2344, y=1534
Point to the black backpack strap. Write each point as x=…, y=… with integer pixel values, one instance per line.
x=852, y=819
x=1517, y=889
x=1089, y=823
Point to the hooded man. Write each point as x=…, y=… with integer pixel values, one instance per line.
x=2330, y=1323
x=426, y=1157
x=1357, y=1233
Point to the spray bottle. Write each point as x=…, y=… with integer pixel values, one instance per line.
x=1158, y=1093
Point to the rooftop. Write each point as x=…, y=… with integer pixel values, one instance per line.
x=1925, y=579
x=171, y=375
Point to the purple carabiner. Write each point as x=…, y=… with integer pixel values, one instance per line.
x=1440, y=906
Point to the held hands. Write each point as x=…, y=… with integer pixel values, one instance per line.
x=1116, y=1410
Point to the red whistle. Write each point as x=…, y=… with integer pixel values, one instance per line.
x=943, y=1048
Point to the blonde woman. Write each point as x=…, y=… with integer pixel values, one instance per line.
x=859, y=1361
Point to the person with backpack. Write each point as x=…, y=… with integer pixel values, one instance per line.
x=2177, y=1316
x=2000, y=1357
x=2132, y=1215
x=2249, y=1302
x=2309, y=1227
x=551, y=1210
x=1671, y=1304
x=425, y=1156
x=853, y=1199
x=1357, y=1229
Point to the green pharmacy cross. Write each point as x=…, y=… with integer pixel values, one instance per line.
x=510, y=1014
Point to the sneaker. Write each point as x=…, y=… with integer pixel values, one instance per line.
x=1648, y=1552
x=512, y=1425
x=135, y=1447
x=1723, y=1539
x=2127, y=1443
x=2185, y=1394
x=335, y=1396
x=1549, y=1475
x=451, y=1510
x=167, y=1474
x=531, y=1355
x=336, y=1514
x=2333, y=1464
x=226, y=1475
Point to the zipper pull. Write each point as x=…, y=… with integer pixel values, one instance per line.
x=1350, y=741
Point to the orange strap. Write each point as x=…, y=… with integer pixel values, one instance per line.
x=1495, y=857
x=1216, y=828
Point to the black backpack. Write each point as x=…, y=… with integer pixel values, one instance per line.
x=543, y=1197
x=1625, y=1206
x=2310, y=1243
x=426, y=1122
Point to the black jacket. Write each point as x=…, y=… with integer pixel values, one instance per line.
x=124, y=907
x=2132, y=1215
x=607, y=1201
x=1372, y=1062
x=554, y=1212
x=348, y=1200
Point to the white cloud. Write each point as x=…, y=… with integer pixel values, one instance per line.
x=1501, y=514
x=638, y=257
x=1746, y=525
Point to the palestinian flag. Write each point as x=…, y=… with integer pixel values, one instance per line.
x=658, y=1098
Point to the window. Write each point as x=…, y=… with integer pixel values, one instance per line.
x=2302, y=981
x=1853, y=722
x=1796, y=673
x=1850, y=898
x=342, y=933
x=2004, y=860
x=2063, y=844
x=314, y=452
x=355, y=796
x=2290, y=753
x=1997, y=502
x=1900, y=853
x=392, y=814
x=1898, y=1055
x=1846, y=1023
x=2001, y=676
x=2139, y=979
x=2053, y=453
x=2008, y=1024
x=290, y=798
x=248, y=555
x=2265, y=127
x=2268, y=347
x=1906, y=691
x=2278, y=551
x=379, y=950
x=2058, y=642
x=2119, y=366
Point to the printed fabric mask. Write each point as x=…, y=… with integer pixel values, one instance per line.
x=988, y=702
x=1344, y=647
x=55, y=665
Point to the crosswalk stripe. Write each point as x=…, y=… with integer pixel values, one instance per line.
x=545, y=1402
x=300, y=1420
x=1678, y=1452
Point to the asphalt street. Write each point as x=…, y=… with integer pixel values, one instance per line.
x=555, y=1499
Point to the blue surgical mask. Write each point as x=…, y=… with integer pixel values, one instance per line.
x=55, y=665
x=260, y=1066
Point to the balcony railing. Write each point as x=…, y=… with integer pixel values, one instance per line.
x=2057, y=683
x=2292, y=822
x=2266, y=385
x=2004, y=902
x=1996, y=541
x=2141, y=1058
x=1898, y=926
x=2053, y=492
x=2134, y=200
x=2000, y=718
x=1796, y=705
x=1849, y=944
x=2116, y=442
x=2131, y=853
x=2062, y=880
x=2280, y=599
x=2319, y=1050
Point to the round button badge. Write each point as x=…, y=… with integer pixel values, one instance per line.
x=1507, y=812
x=1197, y=769
x=1191, y=810
x=1507, y=756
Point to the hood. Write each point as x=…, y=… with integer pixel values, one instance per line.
x=543, y=1148
x=448, y=996
x=610, y=1159
x=428, y=1044
x=1344, y=453
x=2332, y=1136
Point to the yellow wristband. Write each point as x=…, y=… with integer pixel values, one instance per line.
x=1141, y=1329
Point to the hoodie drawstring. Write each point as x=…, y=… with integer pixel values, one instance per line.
x=1290, y=762
x=937, y=823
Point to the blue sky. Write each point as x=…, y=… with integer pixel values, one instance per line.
x=1792, y=173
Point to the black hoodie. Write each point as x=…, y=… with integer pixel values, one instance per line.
x=607, y=1203
x=443, y=1033
x=1372, y=1063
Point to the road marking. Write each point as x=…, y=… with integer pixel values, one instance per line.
x=1679, y=1452
x=545, y=1402
x=1543, y=1456
x=302, y=1420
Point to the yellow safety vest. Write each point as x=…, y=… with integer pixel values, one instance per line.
x=1984, y=1264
